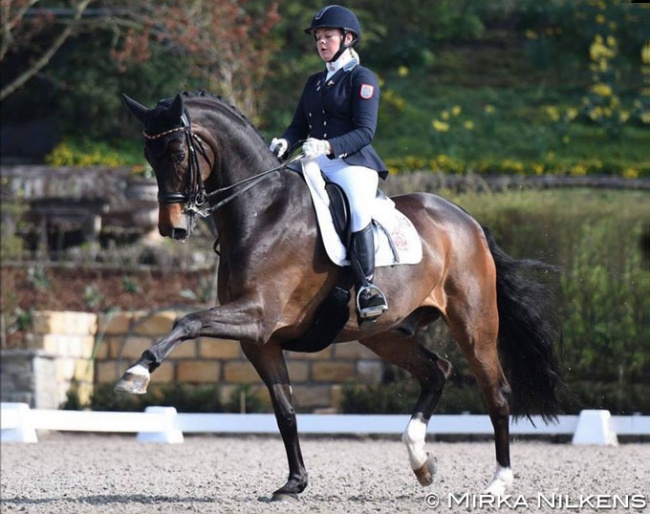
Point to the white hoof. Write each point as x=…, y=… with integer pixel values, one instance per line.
x=134, y=381
x=501, y=482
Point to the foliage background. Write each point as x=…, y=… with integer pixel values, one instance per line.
x=560, y=87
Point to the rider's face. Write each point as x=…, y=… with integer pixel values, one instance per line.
x=328, y=42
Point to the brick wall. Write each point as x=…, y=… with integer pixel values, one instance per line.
x=58, y=358
x=62, y=346
x=316, y=377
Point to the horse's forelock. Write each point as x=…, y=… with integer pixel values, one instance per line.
x=159, y=119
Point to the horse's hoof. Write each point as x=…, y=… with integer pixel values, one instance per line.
x=426, y=472
x=501, y=483
x=132, y=383
x=285, y=497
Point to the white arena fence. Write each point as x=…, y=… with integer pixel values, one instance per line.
x=19, y=423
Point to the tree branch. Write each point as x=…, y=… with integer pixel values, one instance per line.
x=42, y=61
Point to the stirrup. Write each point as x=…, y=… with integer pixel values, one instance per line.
x=375, y=300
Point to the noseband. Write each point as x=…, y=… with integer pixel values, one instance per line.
x=195, y=196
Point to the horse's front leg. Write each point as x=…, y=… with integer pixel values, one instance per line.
x=231, y=321
x=269, y=362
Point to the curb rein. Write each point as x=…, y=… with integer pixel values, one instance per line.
x=194, y=200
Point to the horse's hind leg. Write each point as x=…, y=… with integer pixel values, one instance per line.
x=476, y=332
x=431, y=371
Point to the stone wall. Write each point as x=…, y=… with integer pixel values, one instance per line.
x=316, y=377
x=58, y=359
x=62, y=346
x=29, y=376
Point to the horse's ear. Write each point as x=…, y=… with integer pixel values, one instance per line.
x=137, y=109
x=175, y=110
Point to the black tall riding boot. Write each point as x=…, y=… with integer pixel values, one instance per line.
x=371, y=301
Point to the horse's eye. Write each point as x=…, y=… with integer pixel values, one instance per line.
x=178, y=157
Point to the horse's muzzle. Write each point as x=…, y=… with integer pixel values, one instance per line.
x=179, y=234
x=173, y=222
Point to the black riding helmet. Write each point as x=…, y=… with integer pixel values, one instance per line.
x=337, y=17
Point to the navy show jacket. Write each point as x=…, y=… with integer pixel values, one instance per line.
x=342, y=110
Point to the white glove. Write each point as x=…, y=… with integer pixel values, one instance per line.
x=315, y=147
x=279, y=146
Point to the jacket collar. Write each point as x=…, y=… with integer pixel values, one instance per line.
x=346, y=62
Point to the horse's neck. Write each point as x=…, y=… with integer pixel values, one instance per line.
x=251, y=208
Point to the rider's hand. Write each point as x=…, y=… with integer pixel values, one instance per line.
x=315, y=147
x=279, y=146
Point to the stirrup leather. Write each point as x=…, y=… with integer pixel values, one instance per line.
x=374, y=301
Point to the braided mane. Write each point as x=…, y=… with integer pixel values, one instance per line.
x=232, y=111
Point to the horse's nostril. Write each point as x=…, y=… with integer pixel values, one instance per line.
x=178, y=233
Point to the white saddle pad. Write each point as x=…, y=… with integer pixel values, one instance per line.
x=396, y=240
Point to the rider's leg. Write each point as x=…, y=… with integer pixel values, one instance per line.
x=360, y=186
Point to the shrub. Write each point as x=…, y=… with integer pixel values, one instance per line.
x=603, y=293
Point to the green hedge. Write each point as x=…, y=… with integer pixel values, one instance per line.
x=603, y=293
x=184, y=397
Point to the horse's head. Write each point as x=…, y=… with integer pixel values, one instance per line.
x=180, y=160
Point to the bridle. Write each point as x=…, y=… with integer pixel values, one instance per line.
x=195, y=196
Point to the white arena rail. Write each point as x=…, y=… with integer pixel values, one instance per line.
x=19, y=423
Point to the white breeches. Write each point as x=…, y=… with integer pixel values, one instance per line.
x=360, y=186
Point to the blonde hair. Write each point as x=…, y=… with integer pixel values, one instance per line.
x=355, y=55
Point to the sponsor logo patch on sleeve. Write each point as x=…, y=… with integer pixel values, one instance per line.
x=367, y=91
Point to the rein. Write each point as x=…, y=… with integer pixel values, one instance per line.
x=196, y=197
x=249, y=182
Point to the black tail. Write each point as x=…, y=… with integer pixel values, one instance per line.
x=528, y=329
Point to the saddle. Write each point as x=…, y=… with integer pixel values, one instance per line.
x=397, y=243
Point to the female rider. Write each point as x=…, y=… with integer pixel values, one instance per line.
x=337, y=118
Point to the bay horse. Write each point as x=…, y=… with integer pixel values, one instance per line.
x=274, y=275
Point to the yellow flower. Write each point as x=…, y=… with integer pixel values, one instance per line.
x=538, y=169
x=602, y=89
x=571, y=113
x=444, y=115
x=645, y=53
x=552, y=112
x=630, y=173
x=578, y=170
x=489, y=109
x=611, y=42
x=469, y=125
x=596, y=113
x=402, y=71
x=566, y=140
x=598, y=51
x=600, y=19
x=456, y=110
x=531, y=34
x=440, y=126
